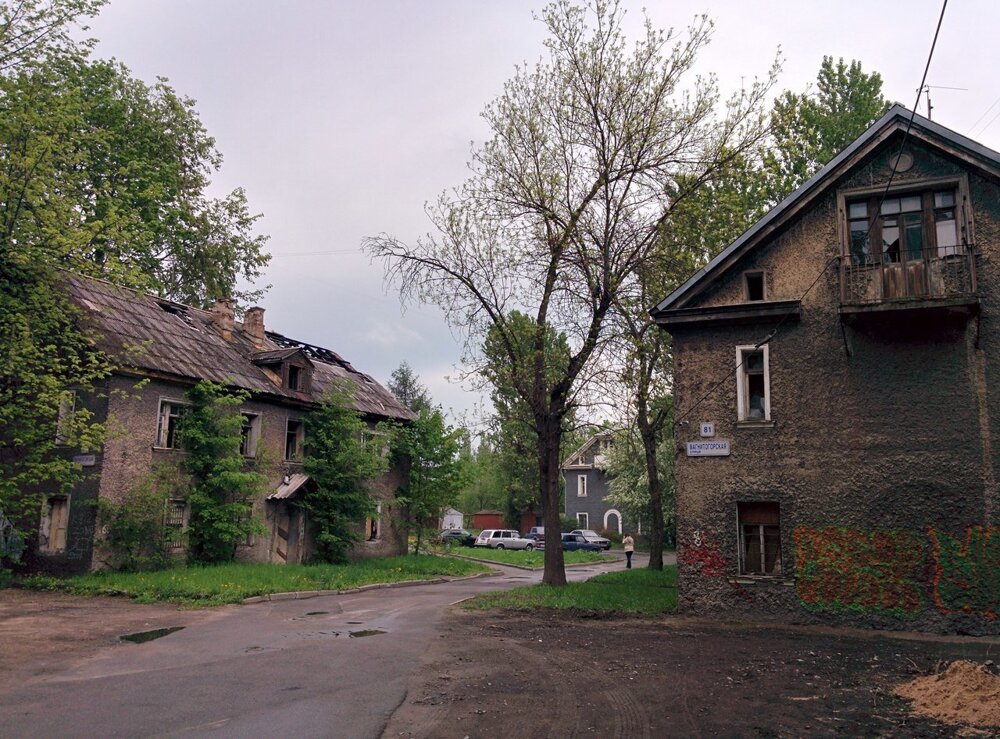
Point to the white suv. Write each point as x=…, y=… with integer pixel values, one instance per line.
x=503, y=539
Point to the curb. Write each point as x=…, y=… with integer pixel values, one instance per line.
x=305, y=594
x=523, y=567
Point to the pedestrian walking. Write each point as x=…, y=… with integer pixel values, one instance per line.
x=629, y=548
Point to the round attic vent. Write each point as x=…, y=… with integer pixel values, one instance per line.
x=902, y=162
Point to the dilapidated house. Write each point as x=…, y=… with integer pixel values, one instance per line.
x=160, y=349
x=837, y=380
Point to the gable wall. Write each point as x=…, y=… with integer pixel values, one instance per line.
x=888, y=439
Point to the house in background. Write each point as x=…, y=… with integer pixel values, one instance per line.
x=587, y=486
x=160, y=349
x=847, y=470
x=452, y=519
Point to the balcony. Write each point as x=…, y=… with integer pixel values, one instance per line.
x=940, y=281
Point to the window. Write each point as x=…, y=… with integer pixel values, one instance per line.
x=583, y=520
x=294, y=377
x=55, y=523
x=294, y=434
x=753, y=282
x=760, y=538
x=903, y=227
x=373, y=528
x=174, y=522
x=64, y=421
x=250, y=434
x=581, y=486
x=753, y=388
x=167, y=433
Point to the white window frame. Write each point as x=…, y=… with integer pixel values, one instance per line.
x=613, y=512
x=581, y=486
x=742, y=387
x=583, y=519
x=162, y=429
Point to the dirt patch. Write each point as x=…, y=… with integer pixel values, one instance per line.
x=966, y=693
x=43, y=633
x=562, y=675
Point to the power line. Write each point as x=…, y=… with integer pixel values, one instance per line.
x=985, y=113
x=892, y=174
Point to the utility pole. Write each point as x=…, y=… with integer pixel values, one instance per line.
x=926, y=90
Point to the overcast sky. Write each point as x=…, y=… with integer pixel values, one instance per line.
x=341, y=119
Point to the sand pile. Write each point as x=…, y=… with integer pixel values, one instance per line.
x=965, y=693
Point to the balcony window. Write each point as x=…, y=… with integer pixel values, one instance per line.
x=907, y=228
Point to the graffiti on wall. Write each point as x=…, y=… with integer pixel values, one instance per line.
x=704, y=553
x=892, y=571
x=839, y=567
x=966, y=573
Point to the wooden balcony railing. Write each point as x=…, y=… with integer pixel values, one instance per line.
x=946, y=272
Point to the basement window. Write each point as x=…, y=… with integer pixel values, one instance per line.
x=754, y=285
x=760, y=538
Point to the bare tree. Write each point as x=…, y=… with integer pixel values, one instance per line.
x=565, y=201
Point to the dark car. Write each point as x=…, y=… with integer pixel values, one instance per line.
x=457, y=536
x=574, y=542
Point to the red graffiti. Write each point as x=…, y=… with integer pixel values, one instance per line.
x=848, y=568
x=702, y=551
x=966, y=575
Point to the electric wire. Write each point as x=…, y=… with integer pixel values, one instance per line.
x=895, y=163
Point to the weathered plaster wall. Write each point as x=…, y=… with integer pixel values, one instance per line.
x=882, y=458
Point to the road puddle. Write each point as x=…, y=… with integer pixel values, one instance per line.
x=141, y=637
x=366, y=632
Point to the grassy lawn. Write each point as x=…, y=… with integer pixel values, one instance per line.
x=535, y=559
x=638, y=591
x=212, y=586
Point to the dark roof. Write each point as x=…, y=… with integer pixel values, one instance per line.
x=273, y=355
x=895, y=119
x=149, y=335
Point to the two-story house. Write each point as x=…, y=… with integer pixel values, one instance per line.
x=159, y=349
x=837, y=395
x=587, y=486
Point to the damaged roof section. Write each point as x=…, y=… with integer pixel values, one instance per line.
x=147, y=335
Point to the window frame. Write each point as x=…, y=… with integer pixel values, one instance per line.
x=744, y=569
x=300, y=435
x=583, y=519
x=926, y=189
x=250, y=434
x=762, y=273
x=174, y=529
x=581, y=486
x=743, y=387
x=169, y=438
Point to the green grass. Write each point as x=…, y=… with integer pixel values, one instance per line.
x=534, y=559
x=212, y=586
x=635, y=591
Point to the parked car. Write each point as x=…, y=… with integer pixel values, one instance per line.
x=503, y=539
x=457, y=536
x=537, y=535
x=576, y=542
x=593, y=537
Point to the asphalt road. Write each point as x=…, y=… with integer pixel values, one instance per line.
x=281, y=668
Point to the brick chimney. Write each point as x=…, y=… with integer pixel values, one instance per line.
x=253, y=326
x=222, y=317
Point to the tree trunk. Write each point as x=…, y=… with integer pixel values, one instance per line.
x=550, y=479
x=648, y=435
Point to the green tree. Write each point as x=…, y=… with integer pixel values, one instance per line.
x=340, y=462
x=222, y=488
x=34, y=32
x=430, y=449
x=406, y=386
x=809, y=129
x=629, y=488
x=565, y=199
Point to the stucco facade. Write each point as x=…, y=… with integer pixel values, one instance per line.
x=861, y=457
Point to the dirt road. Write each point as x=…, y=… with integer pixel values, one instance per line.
x=557, y=675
